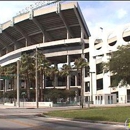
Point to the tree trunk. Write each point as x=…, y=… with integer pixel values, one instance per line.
x=28, y=88
x=41, y=85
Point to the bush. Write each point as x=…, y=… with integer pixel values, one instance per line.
x=54, y=94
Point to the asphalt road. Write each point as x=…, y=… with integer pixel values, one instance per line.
x=27, y=119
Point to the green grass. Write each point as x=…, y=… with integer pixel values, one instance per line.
x=114, y=114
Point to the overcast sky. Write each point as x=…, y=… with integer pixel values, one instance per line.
x=105, y=14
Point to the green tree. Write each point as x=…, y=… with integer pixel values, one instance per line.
x=43, y=66
x=27, y=71
x=79, y=64
x=10, y=73
x=54, y=94
x=119, y=65
x=52, y=73
x=65, y=71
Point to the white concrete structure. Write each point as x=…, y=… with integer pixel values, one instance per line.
x=100, y=48
x=64, y=36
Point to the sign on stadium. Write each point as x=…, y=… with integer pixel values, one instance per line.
x=37, y=5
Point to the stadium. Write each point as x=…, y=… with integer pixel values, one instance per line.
x=61, y=32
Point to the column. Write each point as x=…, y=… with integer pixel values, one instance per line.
x=68, y=35
x=44, y=38
x=106, y=79
x=68, y=76
x=92, y=65
x=82, y=33
x=56, y=78
x=26, y=42
x=122, y=94
x=16, y=46
x=43, y=81
x=76, y=82
x=7, y=49
x=6, y=84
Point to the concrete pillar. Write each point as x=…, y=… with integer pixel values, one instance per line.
x=104, y=99
x=122, y=94
x=56, y=78
x=68, y=35
x=76, y=95
x=82, y=33
x=16, y=46
x=7, y=50
x=6, y=84
x=43, y=81
x=76, y=82
x=26, y=42
x=92, y=65
x=44, y=38
x=68, y=76
x=106, y=79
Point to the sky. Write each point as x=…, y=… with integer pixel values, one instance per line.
x=105, y=14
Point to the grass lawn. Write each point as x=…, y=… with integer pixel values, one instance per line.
x=114, y=114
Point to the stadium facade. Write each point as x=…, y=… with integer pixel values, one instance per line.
x=62, y=33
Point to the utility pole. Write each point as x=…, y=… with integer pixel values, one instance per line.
x=18, y=103
x=36, y=83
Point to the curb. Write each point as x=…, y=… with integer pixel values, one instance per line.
x=102, y=122
x=82, y=120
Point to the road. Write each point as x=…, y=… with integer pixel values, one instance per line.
x=27, y=119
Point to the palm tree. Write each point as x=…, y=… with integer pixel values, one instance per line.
x=79, y=64
x=43, y=66
x=52, y=73
x=8, y=72
x=27, y=70
x=65, y=71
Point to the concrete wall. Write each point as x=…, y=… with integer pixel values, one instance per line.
x=31, y=104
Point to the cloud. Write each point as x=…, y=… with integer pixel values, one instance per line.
x=121, y=13
x=105, y=14
x=9, y=9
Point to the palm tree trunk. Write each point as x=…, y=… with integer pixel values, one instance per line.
x=28, y=89
x=41, y=84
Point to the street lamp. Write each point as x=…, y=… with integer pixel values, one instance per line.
x=36, y=83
